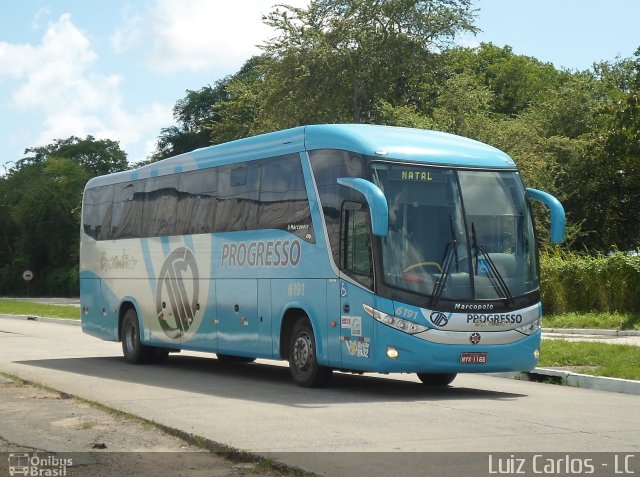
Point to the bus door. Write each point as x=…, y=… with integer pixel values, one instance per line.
x=237, y=314
x=356, y=327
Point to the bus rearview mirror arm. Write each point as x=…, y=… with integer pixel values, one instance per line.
x=378, y=207
x=558, y=219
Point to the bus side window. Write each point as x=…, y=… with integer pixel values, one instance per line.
x=238, y=191
x=356, y=243
x=283, y=202
x=197, y=202
x=160, y=206
x=97, y=212
x=127, y=210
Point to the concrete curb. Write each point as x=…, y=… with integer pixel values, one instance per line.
x=591, y=332
x=587, y=381
x=62, y=321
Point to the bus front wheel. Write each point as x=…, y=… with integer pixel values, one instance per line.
x=305, y=370
x=134, y=351
x=437, y=379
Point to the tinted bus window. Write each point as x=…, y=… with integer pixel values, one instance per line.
x=197, y=202
x=97, y=210
x=160, y=206
x=238, y=189
x=328, y=165
x=128, y=201
x=284, y=203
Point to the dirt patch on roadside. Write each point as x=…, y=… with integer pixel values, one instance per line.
x=42, y=423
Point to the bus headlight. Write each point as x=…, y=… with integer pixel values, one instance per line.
x=530, y=328
x=395, y=322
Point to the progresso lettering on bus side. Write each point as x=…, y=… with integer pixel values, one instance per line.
x=268, y=253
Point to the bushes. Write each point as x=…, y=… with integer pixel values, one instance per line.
x=63, y=282
x=581, y=283
x=60, y=281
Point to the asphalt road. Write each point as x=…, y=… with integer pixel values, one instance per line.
x=362, y=425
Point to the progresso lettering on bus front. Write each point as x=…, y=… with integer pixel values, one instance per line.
x=495, y=319
x=267, y=253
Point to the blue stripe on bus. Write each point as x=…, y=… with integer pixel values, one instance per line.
x=166, y=245
x=148, y=263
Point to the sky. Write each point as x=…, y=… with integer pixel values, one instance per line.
x=114, y=69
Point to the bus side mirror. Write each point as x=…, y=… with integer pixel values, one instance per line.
x=378, y=207
x=558, y=219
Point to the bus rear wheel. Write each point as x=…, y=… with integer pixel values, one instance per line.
x=133, y=350
x=305, y=370
x=437, y=379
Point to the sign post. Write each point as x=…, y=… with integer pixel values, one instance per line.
x=27, y=276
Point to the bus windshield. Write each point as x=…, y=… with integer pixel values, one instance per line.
x=457, y=234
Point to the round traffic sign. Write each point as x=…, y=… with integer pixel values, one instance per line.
x=27, y=275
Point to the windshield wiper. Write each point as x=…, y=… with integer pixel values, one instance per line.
x=450, y=254
x=477, y=247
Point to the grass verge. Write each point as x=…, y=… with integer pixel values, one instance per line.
x=596, y=359
x=597, y=320
x=20, y=307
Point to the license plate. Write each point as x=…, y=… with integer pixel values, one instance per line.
x=473, y=358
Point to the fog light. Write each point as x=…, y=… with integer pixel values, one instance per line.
x=536, y=354
x=392, y=353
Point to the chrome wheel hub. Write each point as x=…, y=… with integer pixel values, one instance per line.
x=302, y=351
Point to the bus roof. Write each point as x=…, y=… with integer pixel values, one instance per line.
x=419, y=146
x=407, y=144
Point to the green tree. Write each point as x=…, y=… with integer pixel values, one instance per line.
x=588, y=129
x=516, y=81
x=96, y=156
x=40, y=206
x=336, y=60
x=239, y=114
x=463, y=106
x=192, y=113
x=621, y=181
x=50, y=208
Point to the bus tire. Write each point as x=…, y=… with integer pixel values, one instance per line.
x=437, y=379
x=234, y=359
x=303, y=364
x=133, y=350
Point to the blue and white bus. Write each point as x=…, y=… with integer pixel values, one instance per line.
x=335, y=247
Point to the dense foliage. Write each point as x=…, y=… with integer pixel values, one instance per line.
x=574, y=282
x=40, y=204
x=575, y=134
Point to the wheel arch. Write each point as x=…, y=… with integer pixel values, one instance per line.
x=289, y=318
x=126, y=304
